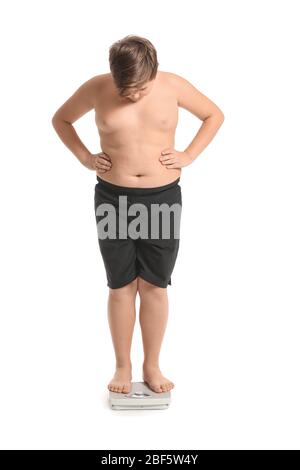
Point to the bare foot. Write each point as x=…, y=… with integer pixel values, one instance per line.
x=121, y=381
x=155, y=380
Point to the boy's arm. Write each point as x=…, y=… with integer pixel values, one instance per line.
x=191, y=99
x=80, y=103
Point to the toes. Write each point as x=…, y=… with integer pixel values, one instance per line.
x=166, y=387
x=159, y=388
x=126, y=388
x=170, y=385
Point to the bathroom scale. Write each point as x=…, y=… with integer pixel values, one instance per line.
x=140, y=397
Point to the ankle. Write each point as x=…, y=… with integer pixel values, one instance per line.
x=123, y=365
x=150, y=365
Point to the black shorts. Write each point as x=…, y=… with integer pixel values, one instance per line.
x=135, y=241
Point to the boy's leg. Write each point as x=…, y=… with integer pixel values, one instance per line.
x=122, y=316
x=156, y=259
x=153, y=318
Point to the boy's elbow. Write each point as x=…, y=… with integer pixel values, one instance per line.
x=221, y=116
x=56, y=119
x=218, y=116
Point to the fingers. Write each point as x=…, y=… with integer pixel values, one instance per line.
x=102, y=163
x=167, y=159
x=167, y=151
x=104, y=155
x=102, y=170
x=170, y=162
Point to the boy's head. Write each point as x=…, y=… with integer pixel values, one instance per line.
x=133, y=64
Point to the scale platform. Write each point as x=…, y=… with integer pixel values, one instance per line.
x=141, y=397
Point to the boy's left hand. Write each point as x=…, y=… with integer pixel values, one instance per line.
x=171, y=158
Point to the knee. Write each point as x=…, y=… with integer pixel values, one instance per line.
x=146, y=289
x=127, y=291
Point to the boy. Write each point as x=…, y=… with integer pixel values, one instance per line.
x=136, y=113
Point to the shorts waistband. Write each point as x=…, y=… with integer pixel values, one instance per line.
x=136, y=190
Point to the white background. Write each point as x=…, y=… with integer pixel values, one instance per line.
x=232, y=341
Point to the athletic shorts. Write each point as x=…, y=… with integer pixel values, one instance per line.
x=138, y=231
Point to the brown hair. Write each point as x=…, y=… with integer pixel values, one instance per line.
x=133, y=62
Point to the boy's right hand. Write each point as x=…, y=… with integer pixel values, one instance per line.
x=100, y=162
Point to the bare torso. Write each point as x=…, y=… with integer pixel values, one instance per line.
x=133, y=134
